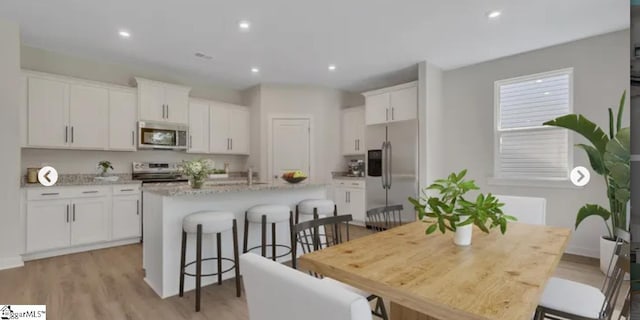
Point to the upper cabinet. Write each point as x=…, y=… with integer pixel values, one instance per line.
x=218, y=128
x=123, y=104
x=162, y=102
x=397, y=103
x=353, y=131
x=67, y=113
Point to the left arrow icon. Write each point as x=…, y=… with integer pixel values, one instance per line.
x=48, y=176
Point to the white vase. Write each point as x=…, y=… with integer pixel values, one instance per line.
x=463, y=235
x=607, y=247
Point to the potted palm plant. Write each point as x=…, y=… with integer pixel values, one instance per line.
x=451, y=211
x=609, y=156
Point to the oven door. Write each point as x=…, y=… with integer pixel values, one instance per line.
x=159, y=136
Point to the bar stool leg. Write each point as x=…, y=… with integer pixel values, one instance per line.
x=246, y=233
x=219, y=240
x=236, y=259
x=273, y=241
x=264, y=236
x=198, y=266
x=297, y=214
x=292, y=235
x=183, y=254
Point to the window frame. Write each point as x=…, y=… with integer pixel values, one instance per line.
x=498, y=177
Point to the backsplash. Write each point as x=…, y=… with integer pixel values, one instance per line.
x=85, y=162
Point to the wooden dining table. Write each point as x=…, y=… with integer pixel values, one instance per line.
x=428, y=277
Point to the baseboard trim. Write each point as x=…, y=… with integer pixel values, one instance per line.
x=585, y=252
x=11, y=262
x=59, y=252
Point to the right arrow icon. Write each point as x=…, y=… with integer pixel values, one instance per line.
x=580, y=176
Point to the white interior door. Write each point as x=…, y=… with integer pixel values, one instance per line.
x=290, y=146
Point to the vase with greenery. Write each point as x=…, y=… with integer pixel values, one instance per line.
x=104, y=167
x=609, y=156
x=197, y=171
x=452, y=211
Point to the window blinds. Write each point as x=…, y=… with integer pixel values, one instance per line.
x=526, y=148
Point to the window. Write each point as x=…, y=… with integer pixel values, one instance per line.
x=524, y=148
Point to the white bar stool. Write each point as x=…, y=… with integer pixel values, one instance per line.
x=263, y=214
x=208, y=222
x=317, y=208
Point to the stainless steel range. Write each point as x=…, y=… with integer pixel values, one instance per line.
x=155, y=172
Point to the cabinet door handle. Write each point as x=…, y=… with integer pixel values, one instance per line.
x=92, y=191
x=66, y=134
x=355, y=144
x=72, y=134
x=228, y=144
x=138, y=207
x=50, y=194
x=67, y=213
x=133, y=138
x=387, y=114
x=392, y=112
x=231, y=143
x=122, y=190
x=74, y=212
x=167, y=111
x=190, y=142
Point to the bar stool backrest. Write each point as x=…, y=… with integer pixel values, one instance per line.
x=384, y=218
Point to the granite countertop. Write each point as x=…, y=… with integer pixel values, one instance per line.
x=69, y=180
x=345, y=176
x=183, y=189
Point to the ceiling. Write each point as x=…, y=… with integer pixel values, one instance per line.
x=372, y=42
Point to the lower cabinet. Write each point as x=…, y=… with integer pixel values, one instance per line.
x=126, y=217
x=350, y=199
x=48, y=225
x=69, y=217
x=89, y=220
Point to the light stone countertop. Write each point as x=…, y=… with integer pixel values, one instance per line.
x=183, y=189
x=69, y=180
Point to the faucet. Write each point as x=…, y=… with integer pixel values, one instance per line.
x=250, y=176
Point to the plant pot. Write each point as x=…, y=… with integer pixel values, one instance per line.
x=463, y=235
x=196, y=183
x=607, y=246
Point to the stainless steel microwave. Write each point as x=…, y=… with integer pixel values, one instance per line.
x=155, y=135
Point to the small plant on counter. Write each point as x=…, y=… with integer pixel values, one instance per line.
x=104, y=166
x=197, y=171
x=451, y=210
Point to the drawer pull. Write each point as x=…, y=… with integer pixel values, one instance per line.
x=126, y=190
x=50, y=194
x=355, y=184
x=93, y=191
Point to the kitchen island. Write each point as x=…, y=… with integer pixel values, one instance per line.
x=165, y=205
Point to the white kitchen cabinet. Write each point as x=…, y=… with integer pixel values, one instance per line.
x=47, y=112
x=398, y=103
x=88, y=117
x=162, y=102
x=349, y=196
x=229, y=129
x=239, y=130
x=404, y=104
x=198, y=127
x=126, y=217
x=89, y=222
x=353, y=131
x=122, y=119
x=48, y=224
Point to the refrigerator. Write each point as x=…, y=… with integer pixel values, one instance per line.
x=392, y=166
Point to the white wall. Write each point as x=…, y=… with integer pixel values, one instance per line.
x=83, y=161
x=323, y=104
x=10, y=230
x=432, y=126
x=601, y=73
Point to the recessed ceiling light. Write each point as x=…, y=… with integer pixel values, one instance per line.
x=244, y=25
x=255, y=70
x=332, y=67
x=538, y=81
x=547, y=93
x=494, y=14
x=124, y=34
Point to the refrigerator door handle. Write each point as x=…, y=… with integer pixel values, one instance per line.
x=390, y=155
x=383, y=164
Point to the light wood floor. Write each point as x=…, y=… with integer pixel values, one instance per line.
x=108, y=284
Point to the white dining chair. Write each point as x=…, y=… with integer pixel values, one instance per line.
x=277, y=292
x=531, y=210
